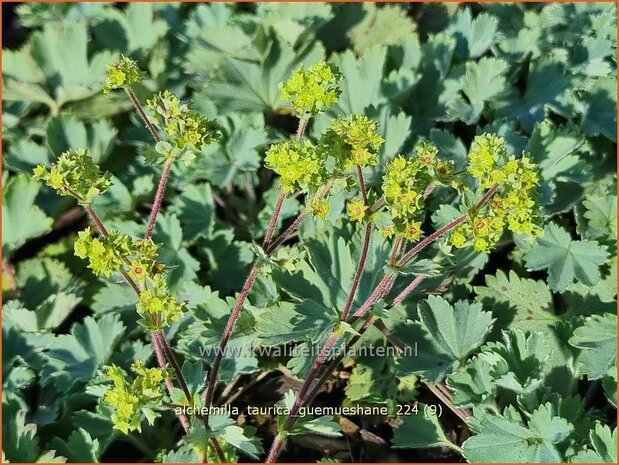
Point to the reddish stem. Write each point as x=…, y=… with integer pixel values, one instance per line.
x=276, y=211
x=410, y=288
x=160, y=355
x=362, y=259
x=158, y=198
x=438, y=233
x=236, y=311
x=96, y=220
x=364, y=194
x=140, y=110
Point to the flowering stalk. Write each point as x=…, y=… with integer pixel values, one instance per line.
x=136, y=103
x=381, y=290
x=209, y=392
x=158, y=339
x=158, y=198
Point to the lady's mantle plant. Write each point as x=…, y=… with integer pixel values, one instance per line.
x=496, y=191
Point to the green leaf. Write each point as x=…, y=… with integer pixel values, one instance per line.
x=604, y=444
x=601, y=213
x=195, y=209
x=457, y=329
x=528, y=302
x=62, y=55
x=133, y=31
x=75, y=357
x=237, y=151
x=473, y=36
x=361, y=80
x=66, y=132
x=419, y=431
x=20, y=443
x=565, y=259
x=291, y=322
x=483, y=81
x=546, y=86
x=597, y=104
x=502, y=440
x=597, y=339
x=21, y=218
x=253, y=87
x=386, y=25
x=182, y=266
x=323, y=426
x=79, y=448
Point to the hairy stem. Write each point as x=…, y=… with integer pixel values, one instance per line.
x=165, y=173
x=407, y=290
x=364, y=251
x=161, y=360
x=305, y=395
x=236, y=311
x=439, y=232
x=360, y=266
x=175, y=366
x=298, y=220
x=276, y=211
x=138, y=106
x=95, y=219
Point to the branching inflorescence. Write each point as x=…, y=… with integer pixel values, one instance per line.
x=496, y=192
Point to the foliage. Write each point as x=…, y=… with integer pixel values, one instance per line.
x=492, y=123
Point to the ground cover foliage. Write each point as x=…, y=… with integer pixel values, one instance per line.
x=515, y=339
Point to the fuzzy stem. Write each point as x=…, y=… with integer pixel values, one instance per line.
x=96, y=220
x=276, y=449
x=410, y=288
x=298, y=220
x=439, y=232
x=165, y=173
x=301, y=127
x=360, y=266
x=276, y=211
x=175, y=366
x=160, y=355
x=236, y=311
x=364, y=250
x=362, y=189
x=136, y=103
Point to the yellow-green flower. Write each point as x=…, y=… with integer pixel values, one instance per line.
x=356, y=209
x=299, y=163
x=105, y=254
x=313, y=90
x=157, y=306
x=352, y=140
x=131, y=399
x=186, y=131
x=121, y=73
x=320, y=208
x=74, y=174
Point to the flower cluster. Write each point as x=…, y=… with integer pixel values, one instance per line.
x=299, y=163
x=121, y=73
x=311, y=91
x=404, y=185
x=353, y=141
x=130, y=400
x=185, y=131
x=513, y=206
x=157, y=306
x=76, y=175
x=105, y=254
